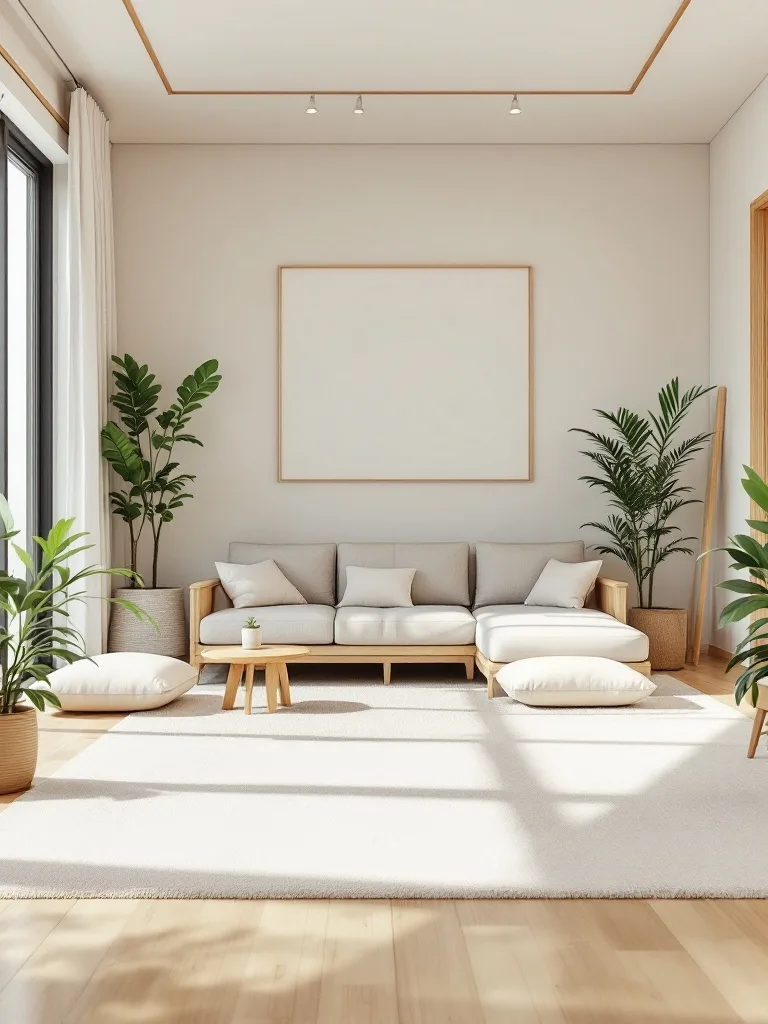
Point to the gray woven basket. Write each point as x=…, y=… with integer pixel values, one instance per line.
x=166, y=607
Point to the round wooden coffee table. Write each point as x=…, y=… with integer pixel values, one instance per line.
x=272, y=658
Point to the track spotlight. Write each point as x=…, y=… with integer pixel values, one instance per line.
x=312, y=108
x=515, y=108
x=359, y=106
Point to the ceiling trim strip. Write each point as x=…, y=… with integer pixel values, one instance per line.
x=128, y=4
x=14, y=66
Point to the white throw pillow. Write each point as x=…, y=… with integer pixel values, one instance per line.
x=564, y=584
x=257, y=585
x=122, y=682
x=378, y=588
x=573, y=682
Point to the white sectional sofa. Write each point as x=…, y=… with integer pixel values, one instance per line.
x=462, y=612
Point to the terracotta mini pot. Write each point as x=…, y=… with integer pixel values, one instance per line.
x=667, y=632
x=18, y=749
x=166, y=607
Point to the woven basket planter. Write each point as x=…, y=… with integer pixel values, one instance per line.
x=667, y=632
x=18, y=749
x=166, y=607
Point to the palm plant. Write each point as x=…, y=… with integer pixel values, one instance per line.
x=36, y=609
x=638, y=465
x=141, y=451
x=747, y=553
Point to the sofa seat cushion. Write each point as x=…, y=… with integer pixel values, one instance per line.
x=513, y=631
x=280, y=624
x=430, y=624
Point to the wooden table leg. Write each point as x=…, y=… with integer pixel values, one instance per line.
x=233, y=681
x=272, y=682
x=248, y=688
x=756, y=730
x=285, y=685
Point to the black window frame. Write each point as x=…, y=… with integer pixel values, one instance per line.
x=14, y=144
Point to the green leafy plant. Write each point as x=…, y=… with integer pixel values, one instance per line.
x=35, y=628
x=141, y=451
x=638, y=465
x=747, y=553
x=251, y=623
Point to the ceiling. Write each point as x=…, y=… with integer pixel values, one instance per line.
x=242, y=70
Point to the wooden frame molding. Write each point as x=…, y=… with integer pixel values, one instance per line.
x=14, y=66
x=152, y=54
x=401, y=480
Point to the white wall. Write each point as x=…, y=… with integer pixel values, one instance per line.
x=738, y=174
x=618, y=237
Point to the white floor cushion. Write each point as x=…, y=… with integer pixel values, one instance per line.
x=122, y=682
x=573, y=682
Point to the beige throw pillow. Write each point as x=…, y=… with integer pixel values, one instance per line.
x=257, y=585
x=564, y=584
x=378, y=588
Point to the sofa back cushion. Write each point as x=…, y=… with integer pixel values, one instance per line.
x=506, y=573
x=310, y=567
x=442, y=570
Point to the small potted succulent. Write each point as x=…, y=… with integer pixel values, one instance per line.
x=251, y=634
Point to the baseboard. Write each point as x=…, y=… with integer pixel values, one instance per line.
x=718, y=652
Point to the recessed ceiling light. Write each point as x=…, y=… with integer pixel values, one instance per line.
x=312, y=108
x=515, y=108
x=359, y=106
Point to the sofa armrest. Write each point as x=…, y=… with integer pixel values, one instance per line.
x=200, y=604
x=612, y=597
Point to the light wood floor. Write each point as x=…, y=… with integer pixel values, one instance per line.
x=380, y=961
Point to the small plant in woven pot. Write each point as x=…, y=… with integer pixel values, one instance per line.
x=35, y=631
x=748, y=555
x=638, y=464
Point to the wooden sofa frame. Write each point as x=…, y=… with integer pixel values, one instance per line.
x=610, y=595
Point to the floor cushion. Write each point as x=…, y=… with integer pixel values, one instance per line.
x=280, y=624
x=514, y=631
x=573, y=682
x=122, y=682
x=434, y=625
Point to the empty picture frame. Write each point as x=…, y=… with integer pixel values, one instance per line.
x=404, y=373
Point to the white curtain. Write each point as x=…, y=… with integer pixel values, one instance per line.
x=86, y=339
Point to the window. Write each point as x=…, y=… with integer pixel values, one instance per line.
x=25, y=334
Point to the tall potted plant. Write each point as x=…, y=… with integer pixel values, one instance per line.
x=35, y=631
x=748, y=554
x=638, y=466
x=141, y=449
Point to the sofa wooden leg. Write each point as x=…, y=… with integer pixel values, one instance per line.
x=469, y=666
x=491, y=684
x=387, y=669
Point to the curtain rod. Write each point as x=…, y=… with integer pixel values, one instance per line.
x=45, y=37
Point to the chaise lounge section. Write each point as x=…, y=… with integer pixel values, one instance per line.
x=440, y=627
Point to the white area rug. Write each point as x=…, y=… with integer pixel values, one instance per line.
x=408, y=790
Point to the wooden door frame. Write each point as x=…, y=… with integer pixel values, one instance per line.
x=758, y=342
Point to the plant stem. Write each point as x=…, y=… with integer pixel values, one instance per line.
x=134, y=551
x=155, y=551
